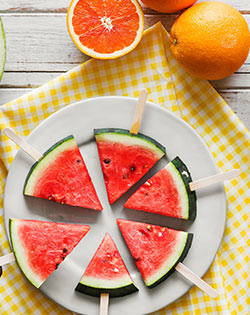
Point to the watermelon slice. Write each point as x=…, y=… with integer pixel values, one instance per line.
x=167, y=193
x=61, y=175
x=156, y=249
x=40, y=247
x=125, y=158
x=2, y=49
x=106, y=272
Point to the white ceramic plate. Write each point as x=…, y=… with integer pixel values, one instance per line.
x=180, y=139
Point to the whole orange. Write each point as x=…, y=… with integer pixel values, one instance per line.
x=211, y=40
x=168, y=6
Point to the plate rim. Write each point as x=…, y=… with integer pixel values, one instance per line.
x=155, y=106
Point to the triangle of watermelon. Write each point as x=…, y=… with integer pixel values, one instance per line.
x=155, y=249
x=106, y=272
x=125, y=158
x=40, y=246
x=62, y=176
x=167, y=193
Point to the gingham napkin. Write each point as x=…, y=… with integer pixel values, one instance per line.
x=150, y=66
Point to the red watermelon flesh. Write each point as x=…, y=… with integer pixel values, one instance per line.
x=167, y=193
x=158, y=194
x=61, y=175
x=156, y=249
x=125, y=158
x=107, y=262
x=106, y=272
x=41, y=246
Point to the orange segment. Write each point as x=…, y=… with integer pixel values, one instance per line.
x=105, y=29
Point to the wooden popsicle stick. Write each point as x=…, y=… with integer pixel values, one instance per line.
x=32, y=152
x=214, y=179
x=139, y=111
x=6, y=259
x=104, y=303
x=191, y=276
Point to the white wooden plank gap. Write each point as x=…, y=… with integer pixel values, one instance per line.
x=19, y=79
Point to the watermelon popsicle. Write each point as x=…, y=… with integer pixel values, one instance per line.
x=106, y=275
x=167, y=193
x=158, y=251
x=126, y=155
x=155, y=249
x=40, y=247
x=171, y=191
x=60, y=174
x=125, y=158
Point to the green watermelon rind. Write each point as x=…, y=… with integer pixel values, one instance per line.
x=20, y=255
x=43, y=163
x=170, y=270
x=150, y=143
x=187, y=179
x=2, y=49
x=116, y=291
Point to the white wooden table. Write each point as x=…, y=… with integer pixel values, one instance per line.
x=39, y=49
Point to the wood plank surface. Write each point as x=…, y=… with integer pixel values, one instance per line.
x=47, y=48
x=12, y=6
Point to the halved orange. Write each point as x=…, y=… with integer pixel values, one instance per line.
x=105, y=29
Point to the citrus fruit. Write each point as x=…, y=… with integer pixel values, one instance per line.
x=168, y=6
x=2, y=49
x=105, y=29
x=210, y=40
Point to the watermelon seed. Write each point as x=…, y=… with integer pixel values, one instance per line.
x=143, y=232
x=107, y=161
x=62, y=201
x=149, y=227
x=132, y=168
x=137, y=259
x=57, y=265
x=104, y=260
x=146, y=194
x=78, y=161
x=65, y=250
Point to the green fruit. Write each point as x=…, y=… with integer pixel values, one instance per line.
x=2, y=49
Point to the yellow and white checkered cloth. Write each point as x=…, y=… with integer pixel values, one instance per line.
x=151, y=66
